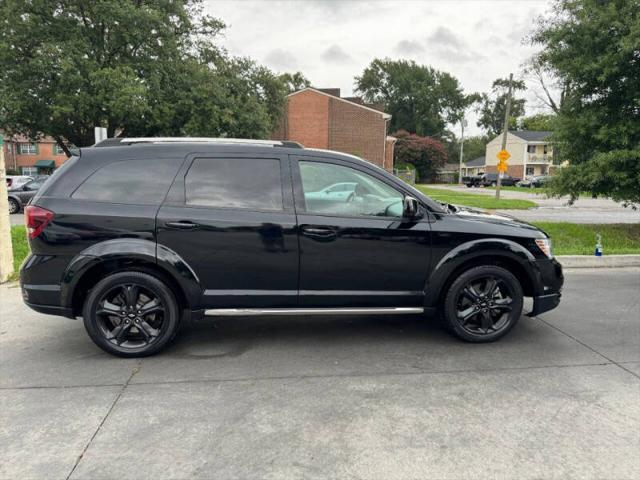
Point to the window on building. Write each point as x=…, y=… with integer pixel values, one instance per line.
x=545, y=149
x=27, y=149
x=29, y=171
x=531, y=149
x=57, y=150
x=244, y=183
x=135, y=182
x=342, y=191
x=530, y=171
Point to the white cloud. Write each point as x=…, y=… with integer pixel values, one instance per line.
x=335, y=54
x=332, y=41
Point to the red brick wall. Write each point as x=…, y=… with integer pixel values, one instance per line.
x=14, y=160
x=512, y=170
x=356, y=130
x=388, y=155
x=308, y=119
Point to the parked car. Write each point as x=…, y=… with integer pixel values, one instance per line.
x=537, y=181
x=20, y=196
x=489, y=180
x=134, y=238
x=15, y=181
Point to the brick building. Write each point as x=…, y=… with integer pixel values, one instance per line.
x=27, y=157
x=320, y=118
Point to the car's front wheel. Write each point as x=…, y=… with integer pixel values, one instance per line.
x=131, y=314
x=14, y=206
x=483, y=304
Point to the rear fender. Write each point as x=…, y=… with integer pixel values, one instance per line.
x=131, y=252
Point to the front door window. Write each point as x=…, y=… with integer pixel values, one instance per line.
x=335, y=190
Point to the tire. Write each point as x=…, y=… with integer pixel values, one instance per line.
x=114, y=317
x=486, y=317
x=14, y=206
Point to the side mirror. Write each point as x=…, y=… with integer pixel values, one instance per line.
x=409, y=207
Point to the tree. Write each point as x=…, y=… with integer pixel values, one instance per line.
x=474, y=147
x=137, y=67
x=492, y=106
x=539, y=121
x=426, y=154
x=592, y=47
x=420, y=98
x=294, y=81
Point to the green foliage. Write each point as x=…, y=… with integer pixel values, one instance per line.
x=474, y=147
x=140, y=68
x=425, y=153
x=420, y=98
x=294, y=81
x=580, y=239
x=593, y=47
x=492, y=106
x=539, y=122
x=474, y=200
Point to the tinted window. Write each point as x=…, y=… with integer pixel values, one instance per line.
x=337, y=190
x=235, y=183
x=139, y=182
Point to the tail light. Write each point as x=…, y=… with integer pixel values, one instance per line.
x=36, y=218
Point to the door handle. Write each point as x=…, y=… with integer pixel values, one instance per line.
x=319, y=232
x=181, y=225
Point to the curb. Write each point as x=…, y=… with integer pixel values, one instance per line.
x=606, y=261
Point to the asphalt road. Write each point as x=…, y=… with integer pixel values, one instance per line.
x=377, y=397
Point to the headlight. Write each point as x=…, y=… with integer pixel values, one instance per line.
x=544, y=244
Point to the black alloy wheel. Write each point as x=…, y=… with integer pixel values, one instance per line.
x=483, y=304
x=131, y=314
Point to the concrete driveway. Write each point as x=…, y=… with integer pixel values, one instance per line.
x=584, y=210
x=377, y=397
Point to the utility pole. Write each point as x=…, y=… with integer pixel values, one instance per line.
x=6, y=250
x=463, y=122
x=505, y=129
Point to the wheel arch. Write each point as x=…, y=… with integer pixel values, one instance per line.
x=499, y=252
x=99, y=260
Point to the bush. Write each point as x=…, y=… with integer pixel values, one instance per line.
x=426, y=154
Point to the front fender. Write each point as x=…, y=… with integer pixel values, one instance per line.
x=494, y=248
x=131, y=251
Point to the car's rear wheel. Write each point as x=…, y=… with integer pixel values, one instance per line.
x=14, y=206
x=131, y=314
x=483, y=304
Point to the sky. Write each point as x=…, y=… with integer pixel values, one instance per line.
x=332, y=41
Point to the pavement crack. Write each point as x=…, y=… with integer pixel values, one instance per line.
x=134, y=371
x=618, y=364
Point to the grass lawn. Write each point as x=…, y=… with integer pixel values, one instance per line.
x=20, y=247
x=568, y=239
x=580, y=239
x=475, y=200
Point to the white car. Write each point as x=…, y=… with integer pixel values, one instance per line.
x=17, y=181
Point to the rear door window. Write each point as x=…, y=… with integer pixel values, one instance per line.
x=242, y=183
x=135, y=182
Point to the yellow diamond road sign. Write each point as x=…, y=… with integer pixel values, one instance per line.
x=502, y=166
x=503, y=155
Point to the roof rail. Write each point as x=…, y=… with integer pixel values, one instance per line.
x=112, y=142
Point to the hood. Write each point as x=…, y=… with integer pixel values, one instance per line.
x=486, y=216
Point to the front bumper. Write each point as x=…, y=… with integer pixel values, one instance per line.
x=550, y=282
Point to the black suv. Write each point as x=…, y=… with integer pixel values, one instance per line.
x=134, y=235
